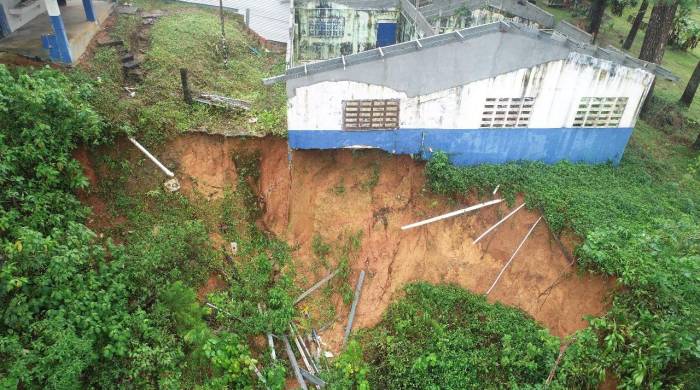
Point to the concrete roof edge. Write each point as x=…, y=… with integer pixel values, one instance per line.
x=609, y=54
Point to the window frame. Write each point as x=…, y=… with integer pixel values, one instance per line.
x=379, y=106
x=609, y=111
x=507, y=112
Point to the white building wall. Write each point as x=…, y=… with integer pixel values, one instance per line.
x=557, y=88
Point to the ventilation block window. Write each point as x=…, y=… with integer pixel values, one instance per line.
x=326, y=26
x=371, y=114
x=507, y=112
x=600, y=112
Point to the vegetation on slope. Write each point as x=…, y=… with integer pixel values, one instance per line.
x=79, y=311
x=636, y=226
x=446, y=337
x=189, y=37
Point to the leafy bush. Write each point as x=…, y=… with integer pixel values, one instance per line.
x=634, y=227
x=446, y=337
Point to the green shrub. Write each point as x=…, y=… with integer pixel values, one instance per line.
x=635, y=227
x=446, y=337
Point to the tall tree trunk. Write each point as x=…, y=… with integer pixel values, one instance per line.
x=656, y=37
x=692, y=86
x=658, y=32
x=635, y=25
x=596, y=16
x=696, y=145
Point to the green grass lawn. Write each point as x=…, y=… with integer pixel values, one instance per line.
x=189, y=37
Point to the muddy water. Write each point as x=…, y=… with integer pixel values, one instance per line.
x=327, y=193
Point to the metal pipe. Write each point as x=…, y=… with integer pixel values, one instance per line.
x=316, y=286
x=452, y=214
x=293, y=362
x=513, y=256
x=150, y=156
x=498, y=223
x=353, y=308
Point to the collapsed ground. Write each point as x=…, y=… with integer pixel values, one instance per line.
x=343, y=209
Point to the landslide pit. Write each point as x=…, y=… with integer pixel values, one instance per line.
x=326, y=193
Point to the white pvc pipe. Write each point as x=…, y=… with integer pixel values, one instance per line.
x=513, y=256
x=498, y=223
x=150, y=156
x=452, y=214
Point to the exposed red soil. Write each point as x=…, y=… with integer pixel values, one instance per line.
x=304, y=200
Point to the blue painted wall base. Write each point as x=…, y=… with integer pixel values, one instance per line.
x=480, y=146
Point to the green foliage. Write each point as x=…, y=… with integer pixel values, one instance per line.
x=636, y=227
x=349, y=370
x=685, y=34
x=445, y=337
x=77, y=312
x=373, y=179
x=233, y=362
x=43, y=117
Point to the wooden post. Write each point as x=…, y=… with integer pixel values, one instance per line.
x=186, y=93
x=351, y=316
x=221, y=16
x=513, y=256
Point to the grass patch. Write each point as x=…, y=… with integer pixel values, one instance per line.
x=189, y=37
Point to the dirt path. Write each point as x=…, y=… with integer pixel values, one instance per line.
x=334, y=193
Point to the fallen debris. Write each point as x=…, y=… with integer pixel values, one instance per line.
x=562, y=350
x=127, y=10
x=223, y=102
x=496, y=189
x=353, y=308
x=316, y=286
x=452, y=214
x=293, y=362
x=172, y=185
x=313, y=378
x=513, y=255
x=498, y=223
x=110, y=42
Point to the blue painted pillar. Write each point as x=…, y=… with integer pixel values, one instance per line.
x=57, y=43
x=89, y=10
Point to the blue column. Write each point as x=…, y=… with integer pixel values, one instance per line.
x=60, y=43
x=89, y=10
x=56, y=43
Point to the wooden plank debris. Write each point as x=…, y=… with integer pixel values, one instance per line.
x=353, y=308
x=489, y=230
x=513, y=255
x=223, y=102
x=300, y=349
x=316, y=286
x=293, y=362
x=452, y=214
x=496, y=189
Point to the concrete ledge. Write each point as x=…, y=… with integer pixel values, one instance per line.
x=26, y=41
